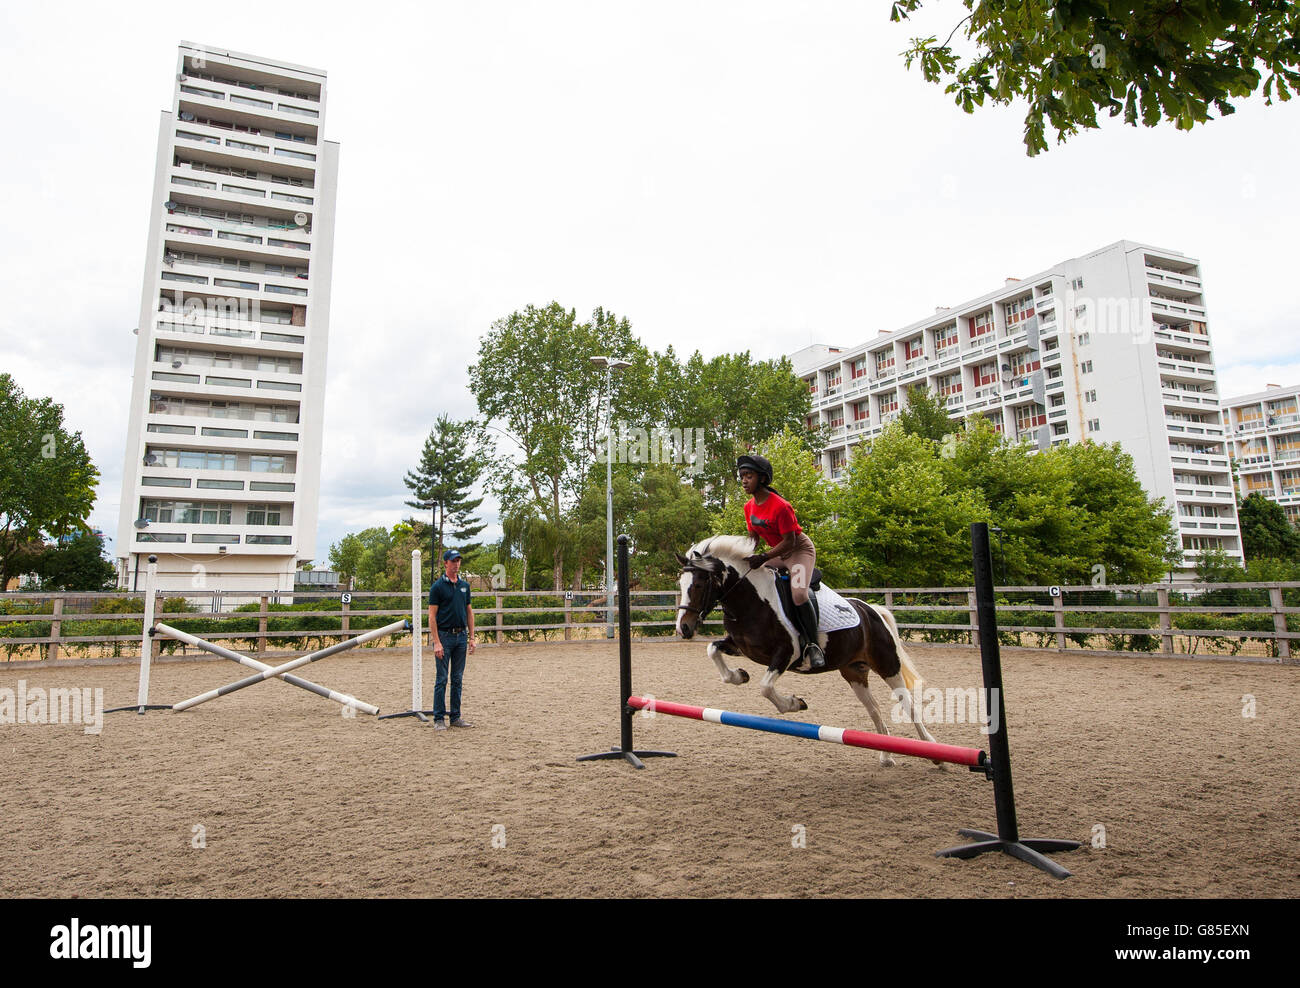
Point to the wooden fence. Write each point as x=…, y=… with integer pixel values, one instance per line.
x=1255, y=621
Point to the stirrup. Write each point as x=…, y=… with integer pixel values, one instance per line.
x=814, y=656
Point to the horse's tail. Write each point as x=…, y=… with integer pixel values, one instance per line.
x=911, y=678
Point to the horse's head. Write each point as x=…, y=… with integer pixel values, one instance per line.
x=701, y=582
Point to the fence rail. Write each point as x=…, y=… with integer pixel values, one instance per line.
x=1241, y=620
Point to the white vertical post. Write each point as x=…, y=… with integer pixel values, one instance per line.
x=417, y=655
x=146, y=640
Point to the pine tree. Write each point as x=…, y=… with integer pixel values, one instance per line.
x=450, y=465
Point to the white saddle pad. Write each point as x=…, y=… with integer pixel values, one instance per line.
x=836, y=612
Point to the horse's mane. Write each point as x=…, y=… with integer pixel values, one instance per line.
x=728, y=548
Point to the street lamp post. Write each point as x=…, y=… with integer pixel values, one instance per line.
x=610, y=364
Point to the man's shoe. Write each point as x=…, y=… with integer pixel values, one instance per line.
x=461, y=722
x=439, y=725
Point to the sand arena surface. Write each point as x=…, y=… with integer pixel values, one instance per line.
x=296, y=800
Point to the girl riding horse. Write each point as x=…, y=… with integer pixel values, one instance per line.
x=770, y=517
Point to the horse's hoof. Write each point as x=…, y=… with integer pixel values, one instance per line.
x=744, y=676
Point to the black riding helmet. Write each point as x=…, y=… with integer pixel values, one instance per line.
x=759, y=464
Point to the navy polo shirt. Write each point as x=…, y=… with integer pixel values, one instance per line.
x=452, y=601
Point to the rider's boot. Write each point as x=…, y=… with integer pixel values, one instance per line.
x=808, y=631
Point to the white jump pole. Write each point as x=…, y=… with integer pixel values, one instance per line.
x=244, y=660
x=417, y=647
x=293, y=664
x=417, y=653
x=146, y=645
x=146, y=641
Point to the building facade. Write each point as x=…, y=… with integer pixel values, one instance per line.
x=1264, y=440
x=222, y=472
x=1113, y=346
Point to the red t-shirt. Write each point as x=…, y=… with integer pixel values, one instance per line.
x=773, y=519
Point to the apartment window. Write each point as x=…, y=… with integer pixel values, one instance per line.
x=1094, y=425
x=226, y=433
x=1085, y=367
x=266, y=485
x=914, y=349
x=221, y=485
x=179, y=430
x=187, y=512
x=857, y=368
x=888, y=402
x=1018, y=311
x=264, y=514
x=1090, y=396
x=945, y=338
x=884, y=360
x=282, y=436
x=1077, y=284
x=192, y=459
x=1083, y=339
x=268, y=540
x=981, y=325
x=277, y=463
x=165, y=481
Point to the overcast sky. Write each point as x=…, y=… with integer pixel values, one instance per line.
x=728, y=175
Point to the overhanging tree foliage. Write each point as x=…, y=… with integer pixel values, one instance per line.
x=1148, y=62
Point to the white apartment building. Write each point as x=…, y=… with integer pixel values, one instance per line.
x=222, y=474
x=1112, y=346
x=1264, y=440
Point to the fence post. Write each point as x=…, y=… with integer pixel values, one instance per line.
x=1279, y=624
x=500, y=619
x=889, y=600
x=568, y=618
x=347, y=617
x=974, y=617
x=261, y=623
x=1166, y=621
x=1058, y=620
x=56, y=629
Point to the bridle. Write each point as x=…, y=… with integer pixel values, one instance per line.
x=704, y=612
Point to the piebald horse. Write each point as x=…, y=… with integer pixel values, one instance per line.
x=715, y=573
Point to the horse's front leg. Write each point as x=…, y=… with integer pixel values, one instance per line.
x=782, y=702
x=726, y=646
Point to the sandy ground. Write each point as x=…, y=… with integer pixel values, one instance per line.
x=294, y=799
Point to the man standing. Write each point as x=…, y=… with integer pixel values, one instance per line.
x=451, y=622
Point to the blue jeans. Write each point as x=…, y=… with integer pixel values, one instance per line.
x=453, y=658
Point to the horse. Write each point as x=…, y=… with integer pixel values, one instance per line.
x=716, y=573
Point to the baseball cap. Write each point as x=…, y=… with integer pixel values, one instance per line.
x=449, y=555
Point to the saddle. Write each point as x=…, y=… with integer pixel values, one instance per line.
x=787, y=598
